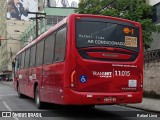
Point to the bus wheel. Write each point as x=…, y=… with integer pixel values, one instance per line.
x=38, y=102
x=20, y=95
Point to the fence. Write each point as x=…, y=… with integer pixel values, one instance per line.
x=152, y=73
x=152, y=55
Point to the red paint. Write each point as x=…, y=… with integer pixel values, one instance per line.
x=108, y=55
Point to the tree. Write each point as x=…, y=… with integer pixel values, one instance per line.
x=136, y=10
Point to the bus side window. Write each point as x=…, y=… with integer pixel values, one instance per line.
x=60, y=45
x=39, y=53
x=26, y=63
x=13, y=64
x=22, y=60
x=16, y=64
x=32, y=56
x=19, y=62
x=49, y=49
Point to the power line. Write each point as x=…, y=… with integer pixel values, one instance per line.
x=36, y=18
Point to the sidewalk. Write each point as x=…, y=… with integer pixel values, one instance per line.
x=7, y=82
x=148, y=104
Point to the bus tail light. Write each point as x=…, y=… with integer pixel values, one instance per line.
x=78, y=18
x=141, y=80
x=110, y=48
x=73, y=79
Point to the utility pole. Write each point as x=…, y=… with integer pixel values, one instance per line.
x=37, y=13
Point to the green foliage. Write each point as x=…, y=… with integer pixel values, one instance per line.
x=136, y=10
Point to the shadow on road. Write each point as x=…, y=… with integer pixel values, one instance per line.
x=83, y=112
x=79, y=112
x=70, y=112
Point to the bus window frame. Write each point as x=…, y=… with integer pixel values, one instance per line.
x=21, y=60
x=28, y=59
x=123, y=23
x=53, y=33
x=42, y=40
x=60, y=28
x=34, y=45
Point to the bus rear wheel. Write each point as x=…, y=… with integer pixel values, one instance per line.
x=38, y=102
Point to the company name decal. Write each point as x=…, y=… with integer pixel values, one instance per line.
x=102, y=42
x=121, y=65
x=102, y=74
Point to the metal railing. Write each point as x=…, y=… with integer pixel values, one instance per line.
x=153, y=55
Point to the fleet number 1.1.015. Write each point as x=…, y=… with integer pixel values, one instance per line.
x=122, y=73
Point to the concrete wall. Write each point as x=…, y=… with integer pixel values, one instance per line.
x=155, y=44
x=14, y=42
x=152, y=77
x=153, y=2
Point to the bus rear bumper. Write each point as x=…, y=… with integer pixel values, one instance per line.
x=91, y=98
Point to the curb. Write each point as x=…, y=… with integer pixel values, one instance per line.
x=151, y=94
x=140, y=108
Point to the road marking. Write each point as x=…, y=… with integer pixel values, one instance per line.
x=5, y=104
x=8, y=95
x=8, y=108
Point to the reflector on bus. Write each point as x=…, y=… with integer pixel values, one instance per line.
x=78, y=18
x=73, y=79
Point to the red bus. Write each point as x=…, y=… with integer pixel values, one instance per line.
x=83, y=60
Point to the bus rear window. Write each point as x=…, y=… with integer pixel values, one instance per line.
x=103, y=34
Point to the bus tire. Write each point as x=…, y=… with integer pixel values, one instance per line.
x=20, y=95
x=38, y=102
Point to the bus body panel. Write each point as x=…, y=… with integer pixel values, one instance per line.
x=45, y=85
x=31, y=81
x=53, y=77
x=15, y=80
x=105, y=84
x=38, y=76
x=25, y=74
x=22, y=82
x=105, y=77
x=92, y=98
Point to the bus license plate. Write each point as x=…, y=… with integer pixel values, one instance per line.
x=110, y=99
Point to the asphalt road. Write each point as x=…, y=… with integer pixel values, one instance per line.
x=9, y=102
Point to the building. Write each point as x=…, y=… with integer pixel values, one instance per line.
x=53, y=15
x=153, y=2
x=156, y=36
x=3, y=35
x=15, y=34
x=14, y=29
x=11, y=45
x=74, y=4
x=10, y=29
